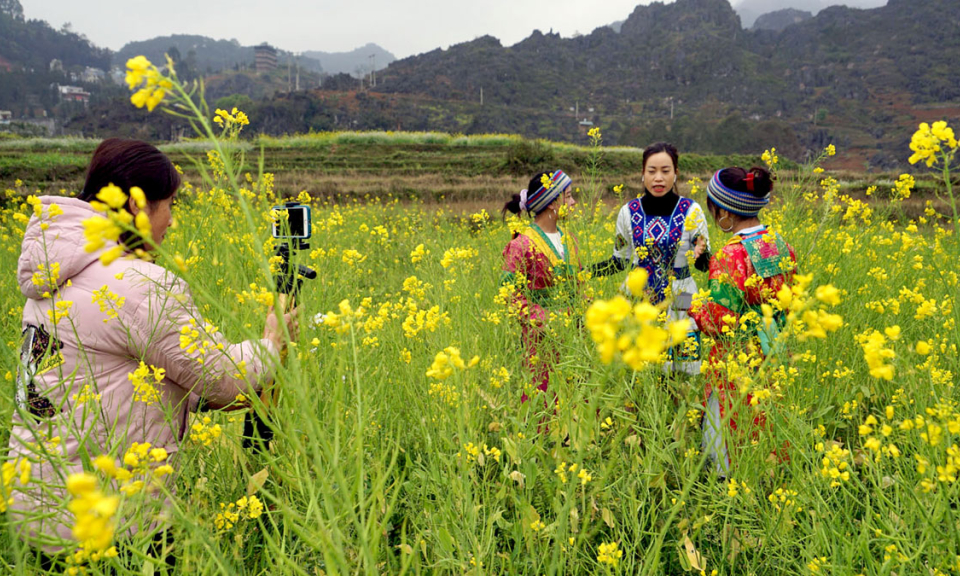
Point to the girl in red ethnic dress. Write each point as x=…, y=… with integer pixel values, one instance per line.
x=754, y=264
x=542, y=262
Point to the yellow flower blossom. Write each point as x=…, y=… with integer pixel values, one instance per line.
x=928, y=141
x=93, y=511
x=609, y=553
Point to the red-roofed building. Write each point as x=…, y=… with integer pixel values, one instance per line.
x=74, y=94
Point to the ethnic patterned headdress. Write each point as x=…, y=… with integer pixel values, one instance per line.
x=744, y=204
x=538, y=200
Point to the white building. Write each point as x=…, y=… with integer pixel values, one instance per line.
x=93, y=75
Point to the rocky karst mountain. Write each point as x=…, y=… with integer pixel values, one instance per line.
x=687, y=71
x=750, y=10
x=780, y=19
x=688, y=67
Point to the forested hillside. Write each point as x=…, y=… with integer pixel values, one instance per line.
x=32, y=44
x=687, y=71
x=27, y=48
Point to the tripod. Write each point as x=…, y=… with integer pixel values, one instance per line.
x=257, y=432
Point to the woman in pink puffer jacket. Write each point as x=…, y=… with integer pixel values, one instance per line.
x=89, y=327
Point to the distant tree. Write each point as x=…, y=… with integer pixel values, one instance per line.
x=12, y=8
x=174, y=53
x=241, y=101
x=187, y=67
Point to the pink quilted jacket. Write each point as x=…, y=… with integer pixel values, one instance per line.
x=97, y=342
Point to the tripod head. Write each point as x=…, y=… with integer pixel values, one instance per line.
x=290, y=277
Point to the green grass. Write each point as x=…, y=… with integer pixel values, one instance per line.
x=374, y=468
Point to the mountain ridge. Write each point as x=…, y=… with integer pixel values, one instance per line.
x=686, y=71
x=780, y=19
x=692, y=62
x=213, y=55
x=750, y=10
x=350, y=61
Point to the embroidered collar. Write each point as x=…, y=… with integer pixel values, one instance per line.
x=546, y=239
x=743, y=234
x=752, y=230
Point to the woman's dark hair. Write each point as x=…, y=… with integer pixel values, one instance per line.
x=513, y=204
x=128, y=163
x=658, y=147
x=736, y=178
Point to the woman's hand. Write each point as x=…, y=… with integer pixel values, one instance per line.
x=274, y=331
x=699, y=247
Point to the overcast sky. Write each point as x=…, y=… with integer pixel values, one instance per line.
x=403, y=27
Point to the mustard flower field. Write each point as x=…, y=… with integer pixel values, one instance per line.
x=400, y=442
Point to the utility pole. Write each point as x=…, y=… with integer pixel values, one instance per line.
x=360, y=72
x=298, y=72
x=481, y=95
x=373, y=70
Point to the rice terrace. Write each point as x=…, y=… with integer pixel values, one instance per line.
x=384, y=323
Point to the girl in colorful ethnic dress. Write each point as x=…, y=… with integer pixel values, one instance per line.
x=542, y=262
x=747, y=273
x=658, y=232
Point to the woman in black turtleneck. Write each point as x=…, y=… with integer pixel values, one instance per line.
x=661, y=232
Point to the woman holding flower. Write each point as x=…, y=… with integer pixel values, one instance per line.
x=744, y=277
x=541, y=263
x=115, y=353
x=662, y=233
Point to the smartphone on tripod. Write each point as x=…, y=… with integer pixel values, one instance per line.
x=292, y=221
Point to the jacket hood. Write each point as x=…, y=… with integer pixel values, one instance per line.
x=60, y=244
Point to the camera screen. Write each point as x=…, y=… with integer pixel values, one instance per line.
x=296, y=225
